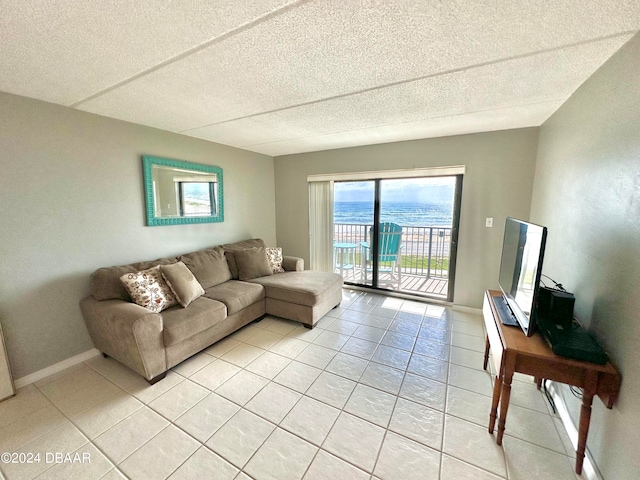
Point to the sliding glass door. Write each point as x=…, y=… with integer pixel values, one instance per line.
x=398, y=234
x=354, y=208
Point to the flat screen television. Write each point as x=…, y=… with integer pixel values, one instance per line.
x=520, y=270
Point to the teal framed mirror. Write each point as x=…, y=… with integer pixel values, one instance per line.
x=178, y=192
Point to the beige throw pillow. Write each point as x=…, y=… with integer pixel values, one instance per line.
x=148, y=289
x=229, y=248
x=182, y=283
x=252, y=263
x=233, y=265
x=209, y=266
x=274, y=254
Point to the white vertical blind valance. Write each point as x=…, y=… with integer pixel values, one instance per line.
x=321, y=225
x=389, y=174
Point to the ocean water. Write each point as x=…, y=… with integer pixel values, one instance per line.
x=407, y=214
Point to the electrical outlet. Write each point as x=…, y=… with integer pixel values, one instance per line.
x=489, y=222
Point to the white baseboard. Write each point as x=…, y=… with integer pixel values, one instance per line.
x=58, y=367
x=462, y=308
x=589, y=468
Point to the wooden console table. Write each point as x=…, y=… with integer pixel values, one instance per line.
x=515, y=352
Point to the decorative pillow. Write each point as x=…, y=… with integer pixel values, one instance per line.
x=274, y=254
x=106, y=284
x=182, y=283
x=229, y=248
x=209, y=266
x=233, y=265
x=252, y=263
x=148, y=289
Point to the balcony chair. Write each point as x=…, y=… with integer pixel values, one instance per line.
x=389, y=253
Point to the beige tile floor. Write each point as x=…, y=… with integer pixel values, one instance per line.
x=381, y=389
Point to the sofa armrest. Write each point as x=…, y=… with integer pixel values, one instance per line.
x=292, y=264
x=127, y=332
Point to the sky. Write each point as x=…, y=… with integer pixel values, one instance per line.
x=414, y=190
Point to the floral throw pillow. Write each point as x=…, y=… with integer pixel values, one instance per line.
x=149, y=290
x=275, y=259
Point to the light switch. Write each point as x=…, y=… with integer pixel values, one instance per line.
x=489, y=222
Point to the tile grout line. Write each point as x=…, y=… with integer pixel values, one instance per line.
x=397, y=396
x=341, y=410
x=449, y=329
x=88, y=440
x=345, y=404
x=337, y=417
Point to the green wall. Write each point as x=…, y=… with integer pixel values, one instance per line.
x=587, y=192
x=497, y=183
x=72, y=200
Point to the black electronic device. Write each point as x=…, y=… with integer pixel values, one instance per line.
x=573, y=342
x=520, y=270
x=556, y=306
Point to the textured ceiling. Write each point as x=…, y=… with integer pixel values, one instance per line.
x=283, y=76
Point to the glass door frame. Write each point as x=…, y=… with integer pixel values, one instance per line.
x=375, y=244
x=455, y=227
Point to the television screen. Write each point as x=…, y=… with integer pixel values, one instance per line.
x=520, y=269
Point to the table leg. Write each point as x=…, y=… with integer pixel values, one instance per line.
x=588, y=392
x=538, y=382
x=583, y=430
x=505, y=395
x=486, y=353
x=497, y=386
x=351, y=259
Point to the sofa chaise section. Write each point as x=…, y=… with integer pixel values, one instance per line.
x=304, y=296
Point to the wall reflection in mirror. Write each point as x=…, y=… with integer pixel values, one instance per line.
x=179, y=192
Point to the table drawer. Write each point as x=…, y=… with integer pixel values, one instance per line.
x=495, y=341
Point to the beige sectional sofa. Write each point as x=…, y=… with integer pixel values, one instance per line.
x=235, y=291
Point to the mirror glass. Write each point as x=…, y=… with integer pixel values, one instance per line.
x=178, y=192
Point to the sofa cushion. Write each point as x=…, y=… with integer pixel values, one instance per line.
x=182, y=323
x=252, y=263
x=105, y=282
x=209, y=266
x=230, y=248
x=236, y=295
x=182, y=283
x=274, y=254
x=303, y=288
x=148, y=289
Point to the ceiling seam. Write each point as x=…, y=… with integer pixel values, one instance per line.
x=416, y=79
x=405, y=123
x=230, y=33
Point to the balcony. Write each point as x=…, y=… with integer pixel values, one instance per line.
x=425, y=259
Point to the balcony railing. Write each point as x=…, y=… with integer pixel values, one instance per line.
x=425, y=252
